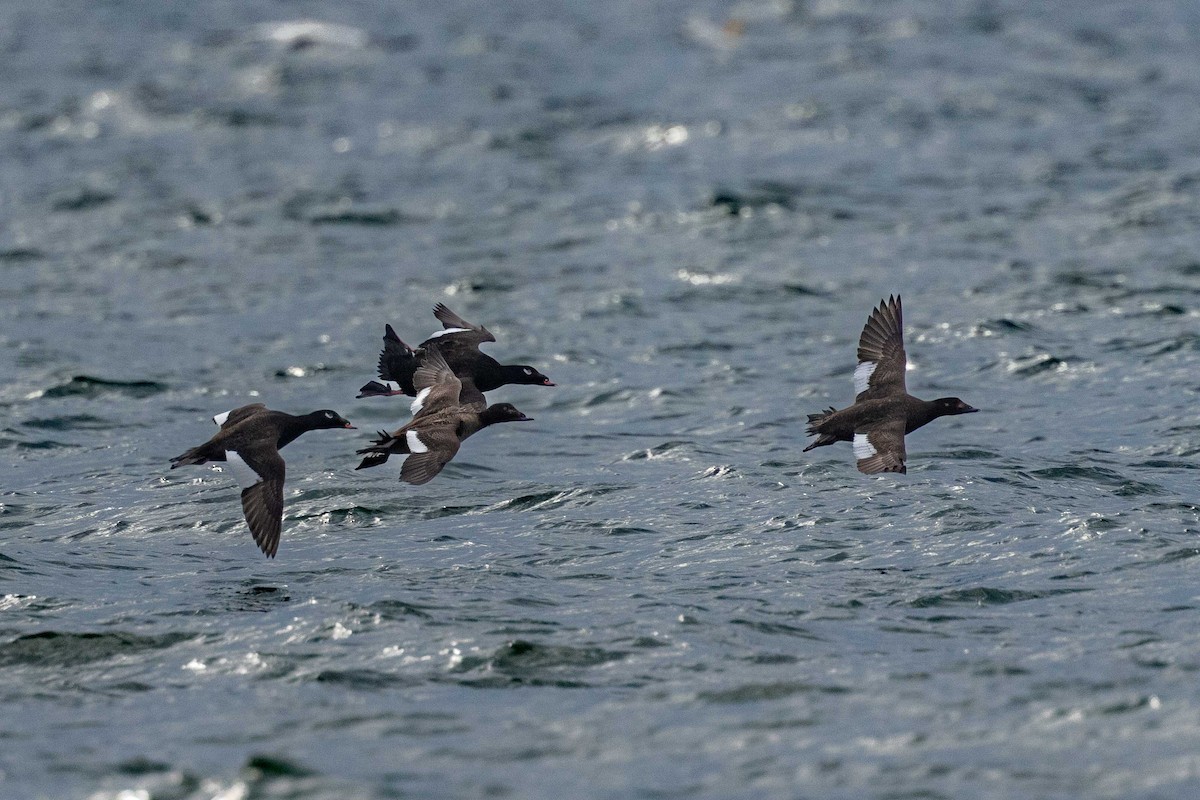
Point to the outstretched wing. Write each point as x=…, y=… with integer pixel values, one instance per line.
x=458, y=330
x=261, y=471
x=262, y=505
x=436, y=384
x=881, y=357
x=395, y=359
x=880, y=448
x=451, y=320
x=431, y=449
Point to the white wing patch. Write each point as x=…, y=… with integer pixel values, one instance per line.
x=220, y=418
x=446, y=331
x=245, y=476
x=862, y=376
x=419, y=403
x=862, y=445
x=415, y=445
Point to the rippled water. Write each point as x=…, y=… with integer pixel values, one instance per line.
x=682, y=213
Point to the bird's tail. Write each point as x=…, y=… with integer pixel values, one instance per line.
x=378, y=452
x=196, y=455
x=815, y=420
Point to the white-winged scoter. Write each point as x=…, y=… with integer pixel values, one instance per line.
x=249, y=440
x=459, y=342
x=883, y=410
x=446, y=411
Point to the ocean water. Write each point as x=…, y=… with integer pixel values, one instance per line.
x=682, y=212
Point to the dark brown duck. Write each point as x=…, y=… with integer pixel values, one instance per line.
x=883, y=411
x=446, y=411
x=249, y=440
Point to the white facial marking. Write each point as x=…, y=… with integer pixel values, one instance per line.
x=419, y=403
x=447, y=331
x=242, y=473
x=415, y=445
x=392, y=386
x=862, y=376
x=224, y=415
x=863, y=447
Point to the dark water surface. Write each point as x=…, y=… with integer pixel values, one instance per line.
x=681, y=212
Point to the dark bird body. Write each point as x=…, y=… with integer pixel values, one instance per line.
x=458, y=343
x=883, y=411
x=446, y=411
x=249, y=440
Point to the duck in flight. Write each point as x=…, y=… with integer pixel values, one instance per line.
x=883, y=411
x=249, y=440
x=446, y=411
x=458, y=342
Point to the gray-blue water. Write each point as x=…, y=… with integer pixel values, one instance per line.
x=683, y=213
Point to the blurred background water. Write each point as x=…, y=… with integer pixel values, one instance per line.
x=682, y=212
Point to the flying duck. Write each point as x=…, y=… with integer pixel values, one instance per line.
x=446, y=411
x=459, y=342
x=249, y=440
x=883, y=410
